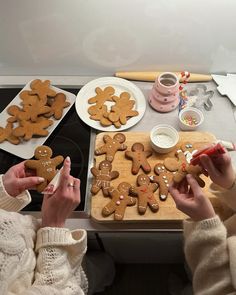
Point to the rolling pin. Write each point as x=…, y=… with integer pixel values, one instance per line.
x=151, y=76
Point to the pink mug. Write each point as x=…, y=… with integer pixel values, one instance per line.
x=164, y=96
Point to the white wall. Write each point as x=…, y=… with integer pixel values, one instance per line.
x=99, y=37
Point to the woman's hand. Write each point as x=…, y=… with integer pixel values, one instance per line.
x=16, y=180
x=56, y=208
x=189, y=199
x=220, y=169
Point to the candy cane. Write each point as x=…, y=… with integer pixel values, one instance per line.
x=185, y=76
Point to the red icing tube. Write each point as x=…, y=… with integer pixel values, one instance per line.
x=212, y=151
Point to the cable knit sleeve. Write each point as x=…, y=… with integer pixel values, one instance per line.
x=10, y=203
x=59, y=270
x=228, y=196
x=207, y=255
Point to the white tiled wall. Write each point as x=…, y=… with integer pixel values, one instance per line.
x=91, y=37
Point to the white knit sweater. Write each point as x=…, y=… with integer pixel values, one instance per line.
x=210, y=250
x=37, y=260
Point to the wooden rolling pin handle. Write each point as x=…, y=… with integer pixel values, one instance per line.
x=151, y=76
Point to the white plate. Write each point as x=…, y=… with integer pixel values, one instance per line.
x=120, y=85
x=25, y=149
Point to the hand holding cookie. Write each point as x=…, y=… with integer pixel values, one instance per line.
x=57, y=208
x=189, y=198
x=44, y=165
x=17, y=179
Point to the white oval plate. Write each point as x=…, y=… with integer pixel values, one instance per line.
x=120, y=85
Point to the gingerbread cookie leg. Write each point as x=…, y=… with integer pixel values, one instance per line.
x=152, y=203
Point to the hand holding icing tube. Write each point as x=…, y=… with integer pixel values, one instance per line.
x=216, y=161
x=212, y=151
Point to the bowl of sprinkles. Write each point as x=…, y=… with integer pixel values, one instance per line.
x=190, y=118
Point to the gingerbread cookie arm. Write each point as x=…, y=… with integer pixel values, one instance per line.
x=122, y=147
x=57, y=160
x=94, y=171
x=109, y=208
x=114, y=174
x=131, y=201
x=107, y=138
x=96, y=186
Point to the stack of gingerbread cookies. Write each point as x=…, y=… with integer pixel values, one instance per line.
x=32, y=117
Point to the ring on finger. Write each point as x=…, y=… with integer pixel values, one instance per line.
x=70, y=184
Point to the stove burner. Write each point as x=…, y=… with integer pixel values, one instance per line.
x=70, y=138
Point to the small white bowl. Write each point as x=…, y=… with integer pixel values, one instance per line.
x=164, y=138
x=190, y=118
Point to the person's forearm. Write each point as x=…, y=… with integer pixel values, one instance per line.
x=60, y=254
x=207, y=256
x=10, y=203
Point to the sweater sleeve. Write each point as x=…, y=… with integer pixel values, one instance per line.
x=60, y=254
x=228, y=196
x=10, y=203
x=207, y=255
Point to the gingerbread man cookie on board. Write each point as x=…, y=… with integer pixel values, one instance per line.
x=111, y=146
x=102, y=177
x=182, y=168
x=119, y=202
x=145, y=193
x=163, y=179
x=44, y=165
x=139, y=157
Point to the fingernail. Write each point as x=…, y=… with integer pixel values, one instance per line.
x=68, y=159
x=40, y=179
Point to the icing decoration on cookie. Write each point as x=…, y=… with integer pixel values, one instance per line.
x=102, y=177
x=145, y=193
x=120, y=199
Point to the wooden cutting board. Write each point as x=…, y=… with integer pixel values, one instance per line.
x=167, y=211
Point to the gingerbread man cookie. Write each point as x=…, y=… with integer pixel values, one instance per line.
x=44, y=165
x=27, y=129
x=139, y=158
x=120, y=200
x=42, y=89
x=6, y=134
x=123, y=109
x=163, y=179
x=57, y=105
x=102, y=96
x=28, y=99
x=144, y=191
x=102, y=177
x=182, y=168
x=111, y=146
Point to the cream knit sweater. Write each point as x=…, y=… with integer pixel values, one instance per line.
x=210, y=250
x=37, y=260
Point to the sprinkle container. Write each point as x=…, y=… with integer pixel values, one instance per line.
x=190, y=118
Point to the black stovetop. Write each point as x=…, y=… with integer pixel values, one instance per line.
x=70, y=138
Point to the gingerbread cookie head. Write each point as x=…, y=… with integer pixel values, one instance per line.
x=119, y=137
x=44, y=165
x=43, y=152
